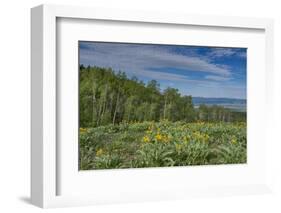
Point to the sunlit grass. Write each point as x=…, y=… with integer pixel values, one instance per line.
x=162, y=144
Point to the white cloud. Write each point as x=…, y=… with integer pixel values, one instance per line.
x=139, y=59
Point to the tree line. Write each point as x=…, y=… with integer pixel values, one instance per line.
x=109, y=97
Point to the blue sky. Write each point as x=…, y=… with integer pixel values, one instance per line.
x=196, y=71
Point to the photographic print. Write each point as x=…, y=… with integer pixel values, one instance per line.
x=155, y=105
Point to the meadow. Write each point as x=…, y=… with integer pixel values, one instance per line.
x=162, y=144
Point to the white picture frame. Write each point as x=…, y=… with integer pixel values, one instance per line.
x=45, y=168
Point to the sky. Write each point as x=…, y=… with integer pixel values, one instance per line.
x=193, y=70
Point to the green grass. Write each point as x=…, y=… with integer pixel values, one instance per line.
x=162, y=144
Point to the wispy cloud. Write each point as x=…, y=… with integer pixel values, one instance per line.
x=226, y=52
x=140, y=58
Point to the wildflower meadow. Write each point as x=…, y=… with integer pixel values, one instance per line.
x=162, y=144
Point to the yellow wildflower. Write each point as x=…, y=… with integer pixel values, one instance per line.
x=166, y=139
x=82, y=129
x=158, y=137
x=145, y=139
x=234, y=141
x=99, y=152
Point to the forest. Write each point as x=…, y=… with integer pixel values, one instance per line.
x=126, y=123
x=109, y=97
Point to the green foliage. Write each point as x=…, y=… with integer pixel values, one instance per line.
x=162, y=144
x=108, y=97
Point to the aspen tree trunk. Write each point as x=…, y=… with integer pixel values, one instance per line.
x=104, y=103
x=94, y=102
x=116, y=106
x=165, y=106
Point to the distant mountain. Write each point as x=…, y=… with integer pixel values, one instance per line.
x=231, y=103
x=203, y=100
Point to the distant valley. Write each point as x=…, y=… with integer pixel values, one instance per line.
x=230, y=103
